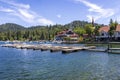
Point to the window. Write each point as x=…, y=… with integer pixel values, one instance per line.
x=102, y=34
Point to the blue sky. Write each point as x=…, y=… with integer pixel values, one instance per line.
x=46, y=12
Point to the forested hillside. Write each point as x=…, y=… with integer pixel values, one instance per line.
x=10, y=26
x=10, y=31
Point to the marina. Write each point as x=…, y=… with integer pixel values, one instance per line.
x=63, y=49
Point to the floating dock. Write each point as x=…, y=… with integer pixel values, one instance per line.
x=63, y=49
x=69, y=50
x=97, y=50
x=114, y=50
x=44, y=47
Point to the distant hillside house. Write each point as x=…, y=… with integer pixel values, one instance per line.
x=103, y=33
x=117, y=32
x=66, y=35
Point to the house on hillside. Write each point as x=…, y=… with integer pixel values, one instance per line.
x=66, y=35
x=117, y=32
x=103, y=33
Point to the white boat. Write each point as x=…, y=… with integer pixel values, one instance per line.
x=59, y=42
x=6, y=42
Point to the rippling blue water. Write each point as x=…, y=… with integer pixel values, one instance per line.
x=17, y=64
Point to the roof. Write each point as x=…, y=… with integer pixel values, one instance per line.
x=67, y=32
x=118, y=27
x=104, y=28
x=74, y=35
x=62, y=32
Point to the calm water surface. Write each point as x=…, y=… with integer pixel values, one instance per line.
x=17, y=64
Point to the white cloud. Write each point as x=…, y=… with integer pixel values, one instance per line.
x=5, y=9
x=59, y=16
x=44, y=21
x=24, y=13
x=20, y=5
x=97, y=11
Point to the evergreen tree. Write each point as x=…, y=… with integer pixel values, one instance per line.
x=113, y=26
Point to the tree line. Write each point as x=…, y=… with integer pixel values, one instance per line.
x=10, y=31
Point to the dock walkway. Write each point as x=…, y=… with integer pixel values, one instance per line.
x=42, y=47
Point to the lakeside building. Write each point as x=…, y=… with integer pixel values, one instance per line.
x=67, y=36
x=104, y=33
x=117, y=32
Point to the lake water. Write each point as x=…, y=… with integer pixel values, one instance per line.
x=17, y=64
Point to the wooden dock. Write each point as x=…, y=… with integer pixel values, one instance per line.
x=97, y=50
x=69, y=50
x=112, y=48
x=55, y=48
x=63, y=49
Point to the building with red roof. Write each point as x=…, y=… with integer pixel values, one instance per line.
x=118, y=28
x=66, y=34
x=104, y=29
x=103, y=32
x=117, y=32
